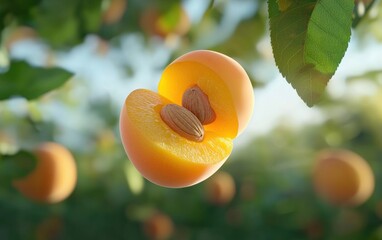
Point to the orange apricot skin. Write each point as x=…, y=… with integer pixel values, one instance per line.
x=231, y=74
x=54, y=177
x=163, y=171
x=342, y=177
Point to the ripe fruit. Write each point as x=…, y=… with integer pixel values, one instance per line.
x=54, y=176
x=154, y=22
x=162, y=155
x=159, y=226
x=114, y=11
x=170, y=137
x=19, y=34
x=220, y=188
x=342, y=177
x=50, y=228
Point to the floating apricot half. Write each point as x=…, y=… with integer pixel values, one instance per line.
x=54, y=176
x=342, y=177
x=183, y=134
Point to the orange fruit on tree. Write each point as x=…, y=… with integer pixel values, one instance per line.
x=54, y=177
x=159, y=226
x=342, y=177
x=18, y=34
x=220, y=188
x=183, y=134
x=50, y=228
x=155, y=22
x=114, y=11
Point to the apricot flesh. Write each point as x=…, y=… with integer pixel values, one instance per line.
x=162, y=155
x=221, y=78
x=343, y=177
x=54, y=177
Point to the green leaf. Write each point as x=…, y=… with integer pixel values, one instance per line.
x=30, y=82
x=309, y=39
x=17, y=165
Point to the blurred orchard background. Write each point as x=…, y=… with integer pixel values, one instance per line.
x=112, y=47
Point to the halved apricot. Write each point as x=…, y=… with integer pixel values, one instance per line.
x=221, y=78
x=54, y=177
x=183, y=134
x=343, y=177
x=160, y=154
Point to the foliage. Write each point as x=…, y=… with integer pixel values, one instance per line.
x=309, y=39
x=23, y=80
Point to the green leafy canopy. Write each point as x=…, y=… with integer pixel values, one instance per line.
x=17, y=165
x=30, y=82
x=309, y=39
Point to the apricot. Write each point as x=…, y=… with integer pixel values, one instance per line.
x=378, y=209
x=54, y=177
x=20, y=33
x=342, y=177
x=114, y=11
x=220, y=188
x=153, y=22
x=50, y=228
x=159, y=226
x=151, y=131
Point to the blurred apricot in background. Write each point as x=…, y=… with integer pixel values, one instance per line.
x=17, y=34
x=157, y=23
x=342, y=177
x=54, y=177
x=114, y=10
x=220, y=188
x=159, y=226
